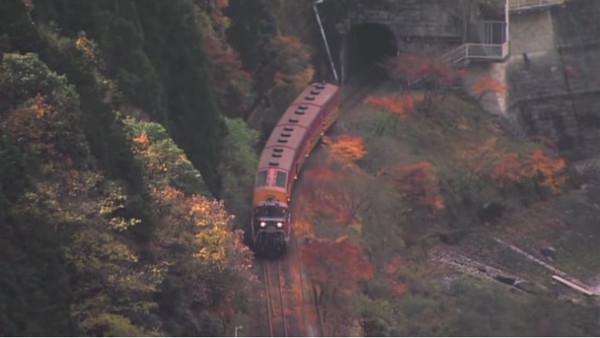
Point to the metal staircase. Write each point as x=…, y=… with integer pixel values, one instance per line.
x=493, y=51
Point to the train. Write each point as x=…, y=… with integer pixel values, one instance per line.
x=293, y=138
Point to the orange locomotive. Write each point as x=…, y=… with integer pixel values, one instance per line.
x=292, y=140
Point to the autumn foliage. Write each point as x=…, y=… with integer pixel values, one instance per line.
x=398, y=105
x=230, y=82
x=546, y=171
x=412, y=67
x=345, y=148
x=418, y=183
x=292, y=59
x=334, y=269
x=337, y=264
x=324, y=193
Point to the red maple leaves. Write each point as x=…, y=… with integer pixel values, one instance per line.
x=418, y=183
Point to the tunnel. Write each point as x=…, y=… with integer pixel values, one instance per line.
x=366, y=45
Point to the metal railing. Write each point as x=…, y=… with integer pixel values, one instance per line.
x=515, y=5
x=474, y=51
x=466, y=52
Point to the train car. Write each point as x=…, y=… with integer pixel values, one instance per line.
x=291, y=141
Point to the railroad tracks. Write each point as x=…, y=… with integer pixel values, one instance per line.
x=355, y=91
x=274, y=297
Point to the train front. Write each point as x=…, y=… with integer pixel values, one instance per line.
x=270, y=228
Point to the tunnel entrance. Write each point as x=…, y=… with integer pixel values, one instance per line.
x=366, y=45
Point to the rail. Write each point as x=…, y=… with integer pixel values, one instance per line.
x=474, y=51
x=518, y=5
x=276, y=318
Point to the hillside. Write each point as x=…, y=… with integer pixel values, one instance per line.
x=129, y=136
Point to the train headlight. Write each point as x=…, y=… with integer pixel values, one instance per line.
x=263, y=224
x=280, y=224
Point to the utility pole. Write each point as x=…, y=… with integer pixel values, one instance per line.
x=335, y=76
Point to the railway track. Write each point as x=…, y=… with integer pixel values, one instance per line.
x=276, y=300
x=274, y=297
x=357, y=89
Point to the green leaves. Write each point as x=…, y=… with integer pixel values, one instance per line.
x=238, y=164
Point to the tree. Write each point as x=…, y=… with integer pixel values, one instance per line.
x=345, y=148
x=334, y=195
x=206, y=267
x=537, y=166
x=230, y=82
x=207, y=278
x=237, y=167
x=418, y=183
x=412, y=68
x=435, y=76
x=333, y=268
x=549, y=172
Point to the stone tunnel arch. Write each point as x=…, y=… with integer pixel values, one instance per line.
x=364, y=45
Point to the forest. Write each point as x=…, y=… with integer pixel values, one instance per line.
x=129, y=138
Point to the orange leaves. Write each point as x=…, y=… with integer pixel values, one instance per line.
x=508, y=169
x=399, y=105
x=412, y=67
x=418, y=183
x=141, y=140
x=39, y=105
x=487, y=84
x=334, y=269
x=36, y=127
x=182, y=215
x=478, y=156
x=536, y=165
x=336, y=196
x=86, y=47
x=322, y=194
x=337, y=263
x=549, y=171
x=346, y=148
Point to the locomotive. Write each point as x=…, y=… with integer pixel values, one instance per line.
x=293, y=138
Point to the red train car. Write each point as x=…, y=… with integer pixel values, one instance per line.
x=292, y=140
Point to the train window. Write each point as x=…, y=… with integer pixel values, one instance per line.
x=269, y=211
x=261, y=178
x=281, y=179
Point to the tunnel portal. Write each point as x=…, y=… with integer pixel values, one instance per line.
x=367, y=44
